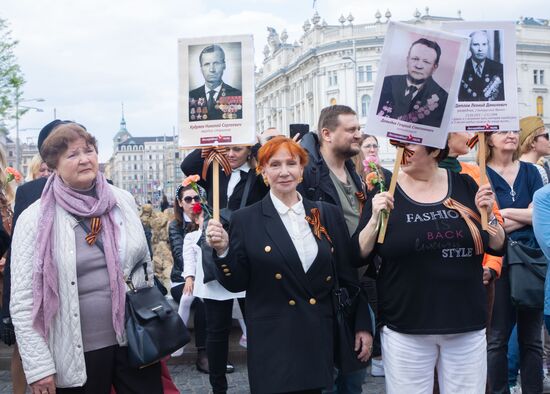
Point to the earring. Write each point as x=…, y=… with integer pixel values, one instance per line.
x=265, y=181
x=300, y=179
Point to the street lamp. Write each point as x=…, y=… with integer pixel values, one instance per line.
x=354, y=61
x=17, y=115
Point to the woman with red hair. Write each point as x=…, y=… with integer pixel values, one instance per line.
x=287, y=269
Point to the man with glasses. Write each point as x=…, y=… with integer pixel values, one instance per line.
x=415, y=97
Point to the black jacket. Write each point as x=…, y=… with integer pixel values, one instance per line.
x=289, y=313
x=176, y=234
x=26, y=194
x=192, y=164
x=317, y=185
x=472, y=87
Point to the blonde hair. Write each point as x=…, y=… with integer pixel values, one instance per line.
x=34, y=168
x=5, y=186
x=489, y=150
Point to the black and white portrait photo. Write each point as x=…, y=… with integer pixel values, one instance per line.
x=415, y=97
x=215, y=98
x=483, y=77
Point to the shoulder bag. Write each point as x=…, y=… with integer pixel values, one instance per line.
x=154, y=329
x=527, y=270
x=208, y=266
x=345, y=300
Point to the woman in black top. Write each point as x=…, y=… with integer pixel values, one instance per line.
x=431, y=300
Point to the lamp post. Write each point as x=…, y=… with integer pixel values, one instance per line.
x=18, y=107
x=354, y=61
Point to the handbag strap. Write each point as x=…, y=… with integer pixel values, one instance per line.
x=88, y=230
x=528, y=264
x=100, y=246
x=250, y=178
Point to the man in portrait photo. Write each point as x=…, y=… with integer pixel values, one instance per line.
x=215, y=99
x=415, y=97
x=482, y=79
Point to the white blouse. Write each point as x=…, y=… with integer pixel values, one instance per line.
x=299, y=230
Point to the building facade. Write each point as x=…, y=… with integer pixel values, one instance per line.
x=147, y=167
x=28, y=150
x=338, y=64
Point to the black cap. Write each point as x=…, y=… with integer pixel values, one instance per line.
x=46, y=131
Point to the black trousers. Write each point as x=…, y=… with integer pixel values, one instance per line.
x=109, y=367
x=199, y=318
x=529, y=323
x=218, y=327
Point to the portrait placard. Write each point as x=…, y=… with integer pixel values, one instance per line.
x=487, y=97
x=216, y=91
x=417, y=85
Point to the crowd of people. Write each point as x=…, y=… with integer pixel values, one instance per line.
x=432, y=311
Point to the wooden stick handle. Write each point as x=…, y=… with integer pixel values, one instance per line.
x=216, y=189
x=483, y=173
x=391, y=190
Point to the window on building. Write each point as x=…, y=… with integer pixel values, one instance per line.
x=538, y=77
x=369, y=73
x=540, y=106
x=332, y=78
x=365, y=103
x=361, y=74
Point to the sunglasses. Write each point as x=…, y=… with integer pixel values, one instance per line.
x=544, y=135
x=506, y=132
x=188, y=199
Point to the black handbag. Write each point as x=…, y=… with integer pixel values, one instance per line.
x=527, y=271
x=154, y=329
x=208, y=265
x=345, y=300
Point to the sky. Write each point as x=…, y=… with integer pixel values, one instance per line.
x=86, y=57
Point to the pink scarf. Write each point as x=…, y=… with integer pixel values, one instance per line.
x=45, y=276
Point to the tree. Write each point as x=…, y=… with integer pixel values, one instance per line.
x=11, y=76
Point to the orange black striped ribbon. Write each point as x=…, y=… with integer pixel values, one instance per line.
x=362, y=199
x=217, y=153
x=407, y=153
x=315, y=221
x=469, y=217
x=95, y=227
x=473, y=141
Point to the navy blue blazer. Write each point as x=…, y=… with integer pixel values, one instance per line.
x=289, y=313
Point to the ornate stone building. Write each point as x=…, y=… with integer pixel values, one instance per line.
x=147, y=167
x=332, y=64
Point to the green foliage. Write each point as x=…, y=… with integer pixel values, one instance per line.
x=11, y=76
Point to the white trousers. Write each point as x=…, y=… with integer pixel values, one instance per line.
x=409, y=362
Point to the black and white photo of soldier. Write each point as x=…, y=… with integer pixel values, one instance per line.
x=215, y=99
x=415, y=97
x=483, y=78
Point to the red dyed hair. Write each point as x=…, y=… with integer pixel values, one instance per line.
x=275, y=144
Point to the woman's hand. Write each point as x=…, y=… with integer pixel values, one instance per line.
x=217, y=237
x=381, y=201
x=485, y=199
x=189, y=284
x=44, y=386
x=363, y=345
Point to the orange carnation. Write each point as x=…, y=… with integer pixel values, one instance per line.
x=191, y=179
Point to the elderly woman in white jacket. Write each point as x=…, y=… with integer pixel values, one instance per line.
x=68, y=293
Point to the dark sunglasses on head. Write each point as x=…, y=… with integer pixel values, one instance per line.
x=544, y=135
x=188, y=199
